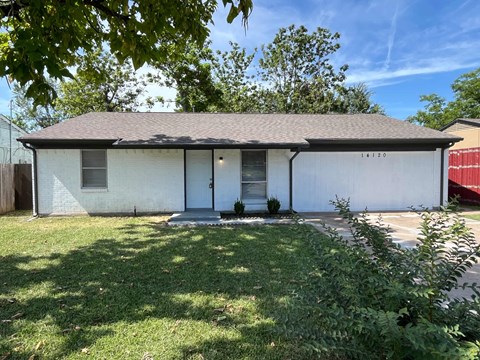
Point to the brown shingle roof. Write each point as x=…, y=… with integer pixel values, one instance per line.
x=163, y=129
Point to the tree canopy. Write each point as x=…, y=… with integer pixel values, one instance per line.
x=297, y=70
x=192, y=77
x=101, y=83
x=30, y=117
x=293, y=74
x=438, y=112
x=42, y=39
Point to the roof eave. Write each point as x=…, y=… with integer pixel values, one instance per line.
x=403, y=141
x=462, y=121
x=66, y=143
x=118, y=144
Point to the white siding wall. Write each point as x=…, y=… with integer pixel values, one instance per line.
x=393, y=182
x=151, y=180
x=20, y=155
x=278, y=176
x=228, y=177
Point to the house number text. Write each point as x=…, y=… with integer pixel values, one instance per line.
x=374, y=155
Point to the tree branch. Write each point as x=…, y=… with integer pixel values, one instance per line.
x=98, y=4
x=9, y=8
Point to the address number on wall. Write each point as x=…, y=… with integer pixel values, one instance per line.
x=374, y=155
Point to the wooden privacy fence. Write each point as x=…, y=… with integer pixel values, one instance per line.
x=7, y=188
x=23, y=187
x=15, y=187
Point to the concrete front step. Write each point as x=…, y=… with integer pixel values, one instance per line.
x=195, y=215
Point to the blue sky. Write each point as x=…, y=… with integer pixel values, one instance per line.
x=400, y=48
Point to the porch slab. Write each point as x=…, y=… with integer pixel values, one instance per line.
x=195, y=215
x=210, y=217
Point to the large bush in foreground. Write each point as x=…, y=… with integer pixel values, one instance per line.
x=382, y=301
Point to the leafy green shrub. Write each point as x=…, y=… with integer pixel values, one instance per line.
x=239, y=207
x=377, y=300
x=273, y=205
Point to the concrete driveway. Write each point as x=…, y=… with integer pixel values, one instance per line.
x=404, y=230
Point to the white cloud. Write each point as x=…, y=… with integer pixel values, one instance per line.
x=372, y=76
x=391, y=38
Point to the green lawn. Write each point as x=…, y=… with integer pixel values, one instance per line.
x=117, y=288
x=473, y=216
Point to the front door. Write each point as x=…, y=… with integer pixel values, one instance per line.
x=199, y=179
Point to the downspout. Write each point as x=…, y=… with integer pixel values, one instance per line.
x=291, y=178
x=35, y=178
x=442, y=175
x=442, y=170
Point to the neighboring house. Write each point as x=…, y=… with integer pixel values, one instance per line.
x=464, y=161
x=12, y=151
x=161, y=162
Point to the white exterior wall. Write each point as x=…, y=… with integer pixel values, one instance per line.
x=228, y=179
x=278, y=176
x=394, y=182
x=20, y=155
x=151, y=180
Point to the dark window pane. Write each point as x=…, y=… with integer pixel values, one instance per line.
x=258, y=158
x=254, y=166
x=254, y=173
x=94, y=158
x=94, y=178
x=254, y=191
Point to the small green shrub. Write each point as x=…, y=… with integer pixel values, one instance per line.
x=239, y=207
x=378, y=300
x=273, y=205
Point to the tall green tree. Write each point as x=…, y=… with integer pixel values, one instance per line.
x=234, y=76
x=357, y=99
x=292, y=75
x=297, y=70
x=31, y=117
x=43, y=38
x=438, y=112
x=102, y=83
x=191, y=75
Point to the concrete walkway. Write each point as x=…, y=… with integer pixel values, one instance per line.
x=404, y=230
x=212, y=218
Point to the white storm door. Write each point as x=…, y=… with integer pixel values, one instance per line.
x=199, y=179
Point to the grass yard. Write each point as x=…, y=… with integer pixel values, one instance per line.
x=472, y=216
x=117, y=288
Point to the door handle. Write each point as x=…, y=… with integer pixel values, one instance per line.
x=210, y=185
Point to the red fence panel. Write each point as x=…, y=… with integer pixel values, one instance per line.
x=464, y=175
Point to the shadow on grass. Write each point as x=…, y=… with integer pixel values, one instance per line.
x=155, y=272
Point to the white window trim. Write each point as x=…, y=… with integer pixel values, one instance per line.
x=92, y=188
x=254, y=200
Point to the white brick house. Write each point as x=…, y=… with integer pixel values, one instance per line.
x=162, y=162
